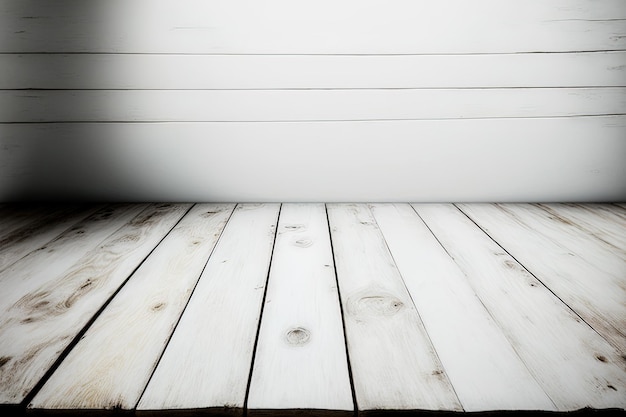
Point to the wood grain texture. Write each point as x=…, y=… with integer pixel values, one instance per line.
x=113, y=361
x=576, y=367
x=30, y=295
x=483, y=367
x=164, y=72
x=568, y=274
x=308, y=105
x=322, y=27
x=394, y=364
x=133, y=161
x=300, y=360
x=603, y=225
x=208, y=360
x=35, y=234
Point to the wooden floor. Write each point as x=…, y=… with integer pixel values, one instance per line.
x=336, y=308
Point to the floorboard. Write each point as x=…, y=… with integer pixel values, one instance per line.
x=312, y=309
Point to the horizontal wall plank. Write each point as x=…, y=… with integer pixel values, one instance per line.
x=543, y=159
x=308, y=105
x=320, y=27
x=141, y=71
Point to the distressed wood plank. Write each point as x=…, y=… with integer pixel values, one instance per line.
x=576, y=367
x=321, y=27
x=16, y=216
x=569, y=275
x=26, y=281
x=609, y=259
x=111, y=365
x=602, y=224
x=592, y=169
x=207, y=362
x=306, y=105
x=483, y=367
x=42, y=229
x=393, y=362
x=300, y=360
x=145, y=71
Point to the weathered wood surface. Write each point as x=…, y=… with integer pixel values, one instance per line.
x=307, y=105
x=592, y=168
x=394, y=363
x=300, y=359
x=35, y=292
x=321, y=27
x=605, y=225
x=112, y=363
x=43, y=228
x=567, y=273
x=576, y=367
x=166, y=72
x=483, y=366
x=208, y=360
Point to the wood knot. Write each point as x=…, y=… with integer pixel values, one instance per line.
x=303, y=243
x=601, y=358
x=294, y=227
x=377, y=305
x=158, y=306
x=4, y=360
x=298, y=336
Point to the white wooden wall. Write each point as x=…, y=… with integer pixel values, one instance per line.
x=325, y=100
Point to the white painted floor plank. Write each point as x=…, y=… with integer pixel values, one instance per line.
x=602, y=224
x=393, y=362
x=300, y=360
x=39, y=288
x=576, y=367
x=36, y=234
x=207, y=362
x=112, y=363
x=483, y=367
x=606, y=258
x=569, y=275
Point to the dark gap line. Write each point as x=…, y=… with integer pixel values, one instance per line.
x=306, y=54
x=452, y=88
x=28, y=398
x=167, y=342
x=343, y=320
x=309, y=121
x=258, y=329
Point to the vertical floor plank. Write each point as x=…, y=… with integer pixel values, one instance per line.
x=393, y=362
x=300, y=361
x=44, y=228
x=207, y=362
x=602, y=224
x=485, y=370
x=110, y=366
x=42, y=323
x=569, y=275
x=576, y=367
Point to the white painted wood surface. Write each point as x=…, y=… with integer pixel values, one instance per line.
x=484, y=368
x=604, y=225
x=113, y=361
x=208, y=360
x=321, y=27
x=307, y=105
x=446, y=160
x=188, y=72
x=300, y=359
x=21, y=241
x=394, y=364
x=568, y=274
x=26, y=287
x=576, y=367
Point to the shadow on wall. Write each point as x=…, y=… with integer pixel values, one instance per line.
x=54, y=161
